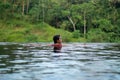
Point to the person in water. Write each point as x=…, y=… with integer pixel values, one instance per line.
x=57, y=43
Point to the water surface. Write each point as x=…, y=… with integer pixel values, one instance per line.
x=77, y=61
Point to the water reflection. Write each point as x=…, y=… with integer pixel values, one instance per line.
x=77, y=61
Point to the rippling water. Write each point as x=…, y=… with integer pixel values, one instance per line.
x=77, y=61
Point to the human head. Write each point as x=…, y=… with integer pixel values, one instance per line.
x=56, y=38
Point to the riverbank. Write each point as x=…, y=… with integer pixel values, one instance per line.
x=20, y=31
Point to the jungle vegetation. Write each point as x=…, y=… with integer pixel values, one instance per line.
x=75, y=20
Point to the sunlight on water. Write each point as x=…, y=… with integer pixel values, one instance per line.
x=77, y=61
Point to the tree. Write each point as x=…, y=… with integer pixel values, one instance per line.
x=86, y=9
x=5, y=8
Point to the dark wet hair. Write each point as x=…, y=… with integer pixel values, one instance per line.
x=55, y=38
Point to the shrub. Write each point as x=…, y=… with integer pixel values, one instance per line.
x=97, y=35
x=18, y=37
x=31, y=38
x=76, y=34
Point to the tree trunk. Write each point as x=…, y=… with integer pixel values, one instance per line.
x=84, y=24
x=72, y=23
x=23, y=7
x=43, y=10
x=28, y=2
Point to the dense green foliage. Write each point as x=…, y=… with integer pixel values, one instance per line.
x=75, y=20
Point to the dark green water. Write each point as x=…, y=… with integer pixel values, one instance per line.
x=77, y=61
